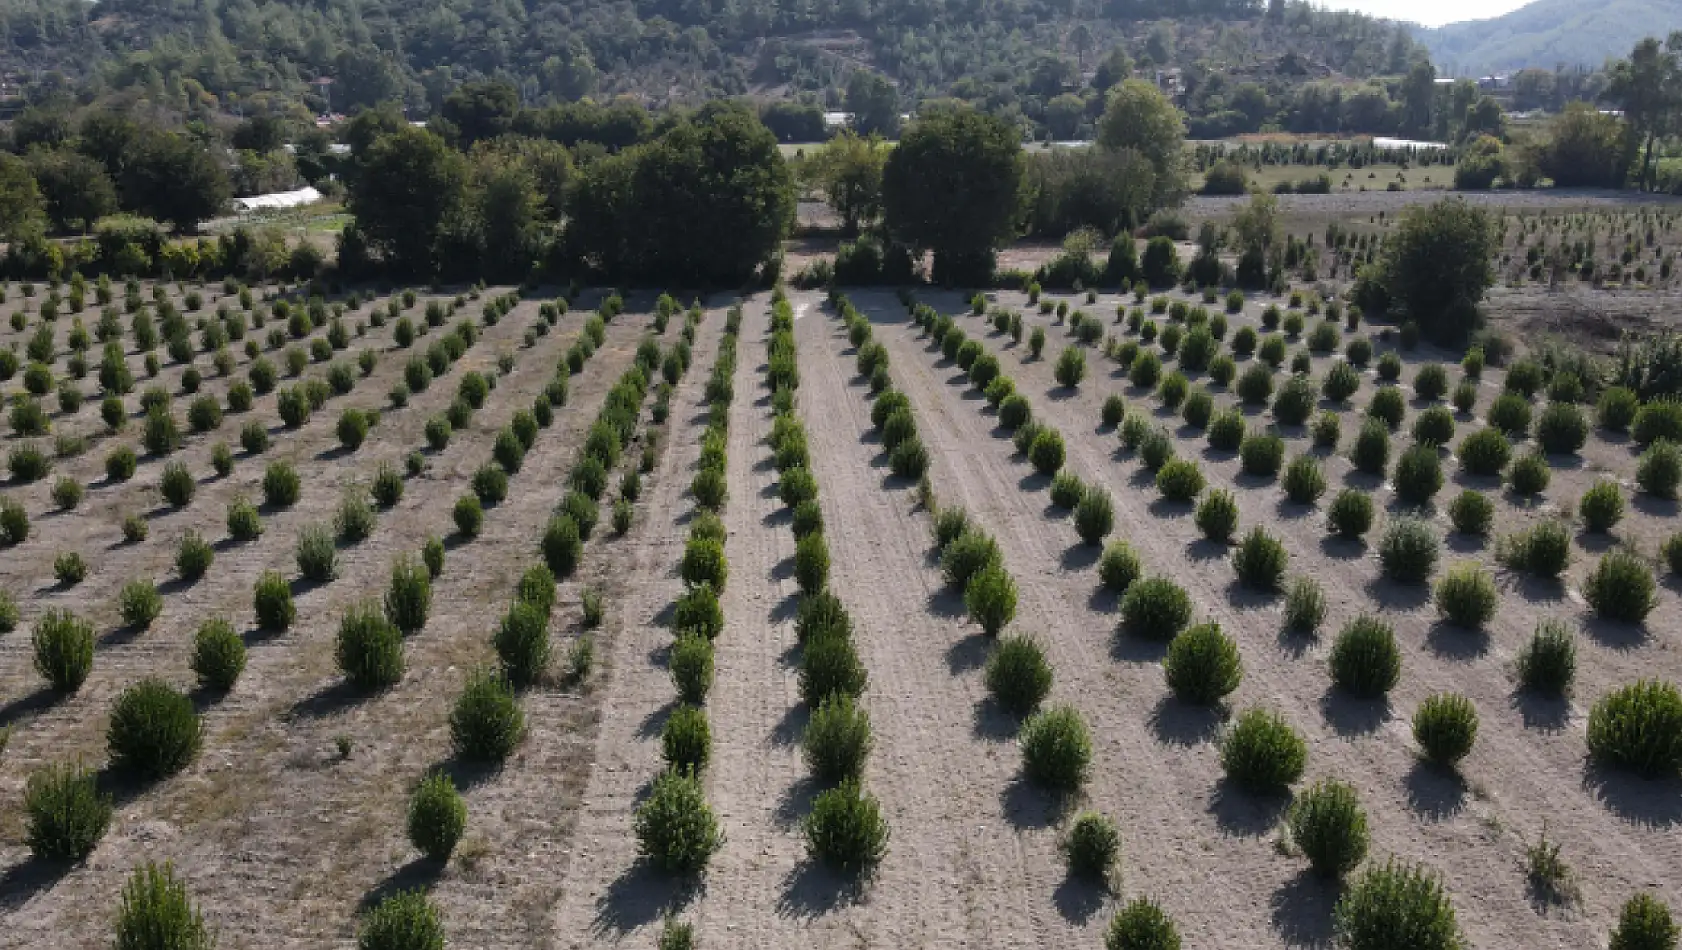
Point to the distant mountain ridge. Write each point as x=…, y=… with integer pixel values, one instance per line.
x=1547, y=34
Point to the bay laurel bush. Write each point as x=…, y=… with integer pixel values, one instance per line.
x=1621, y=588
x=703, y=563
x=1118, y=567
x=1365, y=660
x=845, y=829
x=1179, y=480
x=1434, y=426
x=1304, y=481
x=1389, y=406
x=1155, y=608
x=1562, y=429
x=437, y=817
x=1056, y=749
x=990, y=598
x=1094, y=516
x=1260, y=560
x=1472, y=513
x=1530, y=474
x=1156, y=451
x=1543, y=549
x=1092, y=848
x=1047, y=452
x=691, y=667
x=1142, y=925
x=1409, y=550
x=966, y=555
x=1617, y=408
x=1466, y=596
x=819, y=614
x=562, y=545
x=1659, y=470
x=1602, y=506
x=486, y=723
x=1328, y=825
x=1262, y=454
x=1419, y=474
x=1445, y=726
x=811, y=563
x=154, y=731
x=408, y=598
x=281, y=485
x=1227, y=430
x=1371, y=451
x=837, y=740
x=1644, y=923
x=1018, y=675
x=218, y=656
x=139, y=603
x=317, y=554
x=1510, y=415
x=272, y=600
x=675, y=828
x=1305, y=606
x=1203, y=666
x=369, y=649
x=62, y=644
x=829, y=665
x=156, y=911
x=65, y=813
x=406, y=920
x=686, y=740
x=1397, y=906
x=1548, y=663
x=1067, y=490
x=1262, y=753
x=1327, y=430
x=177, y=485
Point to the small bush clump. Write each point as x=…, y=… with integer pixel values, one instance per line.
x=1262, y=753
x=1056, y=749
x=1621, y=588
x=1155, y=608
x=1328, y=825
x=1397, y=907
x=1445, y=726
x=1409, y=550
x=1365, y=660
x=1466, y=596
x=1350, y=514
x=1203, y=666
x=154, y=731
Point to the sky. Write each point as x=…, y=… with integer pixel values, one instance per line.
x=1428, y=12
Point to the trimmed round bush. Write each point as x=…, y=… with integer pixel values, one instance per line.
x=1350, y=514
x=1510, y=414
x=1217, y=515
x=845, y=828
x=66, y=814
x=1047, y=453
x=63, y=649
x=1094, y=516
x=990, y=598
x=1118, y=567
x=1659, y=471
x=272, y=599
x=691, y=667
x=1638, y=727
x=830, y=665
x=797, y=485
x=1179, y=480
x=1617, y=408
x=1621, y=588
x=1419, y=474
x=1644, y=923
x=1262, y=753
x=1388, y=406
x=469, y=516
x=318, y=554
x=686, y=740
x=1329, y=827
x=1602, y=506
x=281, y=485
x=1304, y=482
x=1562, y=429
x=1434, y=426
x=675, y=828
x=1548, y=663
x=1659, y=419
x=703, y=563
x=1409, y=550
x=697, y=611
x=1485, y=452
x=1018, y=675
x=1371, y=451
x=1113, y=410
x=177, y=485
x=1544, y=550
x=1227, y=430
x=1365, y=661
x=1431, y=382
x=1397, y=907
x=1327, y=430
x=437, y=817
x=1261, y=560
x=1056, y=749
x=1445, y=726
x=1067, y=490
x=837, y=740
x=218, y=655
x=120, y=464
x=1155, y=608
x=1203, y=666
x=139, y=603
x=1471, y=512
x=154, y=731
x=1466, y=596
x=369, y=649
x=1255, y=385
x=1261, y=455
x=811, y=563
x=70, y=568
x=966, y=555
x=1305, y=606
x=1156, y=450
x=1142, y=925
x=1092, y=847
x=406, y=920
x=486, y=724
x=1015, y=411
x=1530, y=474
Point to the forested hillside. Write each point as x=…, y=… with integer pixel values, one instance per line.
x=1010, y=55
x=1549, y=34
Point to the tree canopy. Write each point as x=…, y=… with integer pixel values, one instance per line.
x=954, y=185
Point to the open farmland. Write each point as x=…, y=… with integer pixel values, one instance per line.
x=701, y=582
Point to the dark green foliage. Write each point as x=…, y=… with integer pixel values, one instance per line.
x=1485, y=452
x=218, y=655
x=120, y=464
x=686, y=740
x=1530, y=474
x=990, y=598
x=1262, y=753
x=317, y=554
x=469, y=516
x=1047, y=452
x=1602, y=506
x=1365, y=660
x=1155, y=608
x=1203, y=666
x=177, y=485
x=1092, y=848
x=1329, y=827
x=1510, y=414
x=490, y=484
x=1658, y=419
x=486, y=723
x=437, y=817
x=1295, y=401
x=63, y=649
x=1305, y=606
x=1397, y=907
x=406, y=920
x=1445, y=726
x=1659, y=470
x=1548, y=663
x=1118, y=567
x=830, y=665
x=967, y=555
x=1466, y=596
x=837, y=740
x=1094, y=516
x=66, y=813
x=1056, y=749
x=1067, y=490
x=675, y=829
x=1371, y=451
x=1260, y=561
x=369, y=649
x=1617, y=409
x=811, y=563
x=281, y=485
x=1644, y=923
x=1562, y=429
x=1409, y=550
x=845, y=828
x=1262, y=454
x=1621, y=588
x=1419, y=474
x=691, y=667
x=1388, y=406
x=1227, y=430
x=1179, y=480
x=697, y=611
x=1434, y=426
x=139, y=603
x=154, y=731
x=408, y=598
x=703, y=563
x=1255, y=385
x=1304, y=482
x=272, y=599
x=1142, y=925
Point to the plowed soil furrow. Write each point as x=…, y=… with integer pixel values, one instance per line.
x=1473, y=830
x=279, y=837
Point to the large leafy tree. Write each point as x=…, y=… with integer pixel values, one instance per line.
x=874, y=103
x=1436, y=267
x=173, y=178
x=954, y=185
x=1648, y=87
x=21, y=208
x=848, y=171
x=481, y=110
x=1139, y=117
x=409, y=184
x=76, y=188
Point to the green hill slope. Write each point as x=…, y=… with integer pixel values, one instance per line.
x=1548, y=34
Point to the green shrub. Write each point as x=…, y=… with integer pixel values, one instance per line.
x=1261, y=455
x=1365, y=660
x=1156, y=451
x=253, y=438
x=272, y=600
x=837, y=740
x=967, y=555
x=1305, y=606
x=1092, y=847
x=1304, y=481
x=1155, y=608
x=8, y=612
x=1660, y=469
x=1445, y=726
x=406, y=920
x=218, y=655
x=354, y=521
x=990, y=597
x=797, y=485
x=1047, y=453
x=154, y=731
x=281, y=485
x=1018, y=675
x=1617, y=409
x=1397, y=907
x=1295, y=401
x=1471, y=512
x=1056, y=749
x=1658, y=419
x=686, y=740
x=70, y=569
x=1389, y=406
x=1409, y=550
x=1434, y=426
x=1329, y=827
x=318, y=555
x=1543, y=550
x=1621, y=588
x=1145, y=370
x=830, y=665
x=1562, y=429
x=1431, y=382
x=486, y=723
x=139, y=603
x=1094, y=516
x=845, y=828
x=1142, y=925
x=1179, y=480
x=811, y=563
x=1530, y=474
x=1071, y=367
x=703, y=562
x=1260, y=560
x=177, y=485
x=1602, y=506
x=1255, y=385
x=1466, y=596
x=120, y=464
x=437, y=817
x=66, y=813
x=1015, y=412
x=1350, y=513
x=1203, y=666
x=490, y=484
x=1341, y=382
x=469, y=516
x=369, y=649
x=1113, y=411
x=691, y=667
x=1067, y=490
x=1644, y=923
x=63, y=649
x=1262, y=753
x=1510, y=414
x=1198, y=409
x=675, y=829
x=1118, y=567
x=1371, y=451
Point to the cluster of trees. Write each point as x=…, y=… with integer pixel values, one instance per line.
x=1411, y=104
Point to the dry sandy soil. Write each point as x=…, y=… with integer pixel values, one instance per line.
x=282, y=842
